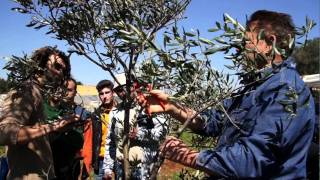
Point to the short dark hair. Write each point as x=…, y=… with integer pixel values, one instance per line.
x=41, y=56
x=104, y=84
x=73, y=80
x=275, y=23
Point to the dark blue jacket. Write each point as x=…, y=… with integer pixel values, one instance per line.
x=276, y=124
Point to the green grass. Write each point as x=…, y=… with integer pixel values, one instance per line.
x=186, y=137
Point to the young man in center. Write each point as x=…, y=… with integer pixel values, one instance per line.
x=100, y=124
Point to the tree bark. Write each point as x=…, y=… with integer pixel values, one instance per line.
x=126, y=128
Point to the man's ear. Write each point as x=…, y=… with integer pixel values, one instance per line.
x=272, y=39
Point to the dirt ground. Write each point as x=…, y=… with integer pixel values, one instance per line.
x=168, y=170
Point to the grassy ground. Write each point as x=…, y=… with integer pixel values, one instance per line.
x=186, y=138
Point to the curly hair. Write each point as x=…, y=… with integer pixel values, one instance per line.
x=274, y=23
x=41, y=56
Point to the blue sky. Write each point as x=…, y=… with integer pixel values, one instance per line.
x=16, y=38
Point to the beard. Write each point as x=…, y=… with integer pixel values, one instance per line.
x=53, y=86
x=256, y=60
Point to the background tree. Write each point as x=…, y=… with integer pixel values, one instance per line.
x=79, y=83
x=4, y=86
x=307, y=57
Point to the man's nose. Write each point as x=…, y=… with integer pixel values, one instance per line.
x=105, y=96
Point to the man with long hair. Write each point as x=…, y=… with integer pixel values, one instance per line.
x=23, y=126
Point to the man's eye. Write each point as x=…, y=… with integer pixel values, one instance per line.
x=58, y=66
x=102, y=93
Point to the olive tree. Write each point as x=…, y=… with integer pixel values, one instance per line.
x=112, y=34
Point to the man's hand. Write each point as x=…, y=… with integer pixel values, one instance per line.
x=158, y=102
x=155, y=102
x=107, y=177
x=175, y=150
x=65, y=123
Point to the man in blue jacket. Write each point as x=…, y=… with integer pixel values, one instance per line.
x=266, y=130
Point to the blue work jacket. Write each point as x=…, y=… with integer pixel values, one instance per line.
x=267, y=130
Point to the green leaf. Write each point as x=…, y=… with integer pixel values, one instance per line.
x=307, y=21
x=173, y=44
x=211, y=51
x=220, y=40
x=193, y=43
x=130, y=38
x=218, y=25
x=125, y=32
x=216, y=49
x=135, y=29
x=107, y=55
x=206, y=41
x=189, y=34
x=228, y=18
x=50, y=32
x=179, y=40
x=286, y=102
x=32, y=23
x=20, y=10
x=175, y=31
x=229, y=57
x=213, y=30
x=261, y=35
x=229, y=66
x=40, y=26
x=291, y=42
x=226, y=28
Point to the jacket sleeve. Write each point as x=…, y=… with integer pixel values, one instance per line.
x=282, y=132
x=87, y=145
x=213, y=120
x=16, y=112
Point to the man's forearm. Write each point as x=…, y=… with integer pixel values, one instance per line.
x=186, y=157
x=27, y=134
x=175, y=150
